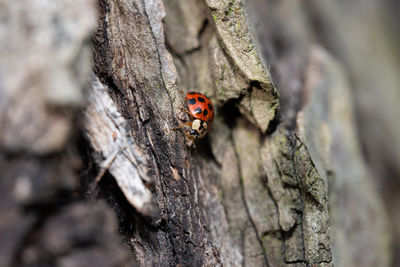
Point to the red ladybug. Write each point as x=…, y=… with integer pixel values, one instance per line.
x=201, y=112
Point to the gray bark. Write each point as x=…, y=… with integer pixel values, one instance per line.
x=280, y=180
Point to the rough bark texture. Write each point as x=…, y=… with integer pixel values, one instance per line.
x=279, y=181
x=257, y=192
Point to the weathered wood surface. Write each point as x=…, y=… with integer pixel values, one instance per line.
x=279, y=181
x=257, y=192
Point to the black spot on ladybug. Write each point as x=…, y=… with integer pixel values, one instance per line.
x=205, y=112
x=209, y=106
x=192, y=101
x=197, y=110
x=192, y=93
x=201, y=99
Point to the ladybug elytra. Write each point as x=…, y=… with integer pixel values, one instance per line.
x=201, y=111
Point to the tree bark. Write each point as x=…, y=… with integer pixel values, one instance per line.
x=255, y=192
x=280, y=180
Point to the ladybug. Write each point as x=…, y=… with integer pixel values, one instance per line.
x=201, y=111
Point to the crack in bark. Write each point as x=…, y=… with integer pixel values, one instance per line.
x=242, y=189
x=174, y=53
x=293, y=140
x=201, y=32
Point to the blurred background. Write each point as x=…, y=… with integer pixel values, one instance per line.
x=364, y=36
x=45, y=59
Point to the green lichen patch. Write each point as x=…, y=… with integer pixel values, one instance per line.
x=236, y=74
x=236, y=38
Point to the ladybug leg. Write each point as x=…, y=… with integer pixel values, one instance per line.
x=186, y=111
x=182, y=125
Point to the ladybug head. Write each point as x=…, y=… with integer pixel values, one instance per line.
x=199, y=129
